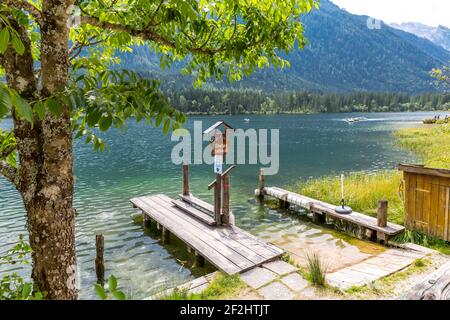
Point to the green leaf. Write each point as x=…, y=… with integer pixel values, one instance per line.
x=93, y=117
x=100, y=291
x=17, y=44
x=4, y=39
x=119, y=295
x=112, y=283
x=159, y=119
x=5, y=102
x=23, y=108
x=166, y=126
x=105, y=122
x=39, y=109
x=26, y=290
x=54, y=107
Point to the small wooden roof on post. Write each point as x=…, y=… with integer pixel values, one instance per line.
x=217, y=125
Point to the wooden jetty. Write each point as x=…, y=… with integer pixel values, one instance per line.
x=227, y=247
x=378, y=227
x=207, y=229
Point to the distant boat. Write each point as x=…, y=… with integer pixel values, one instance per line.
x=357, y=119
x=247, y=120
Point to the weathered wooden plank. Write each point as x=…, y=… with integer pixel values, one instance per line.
x=230, y=237
x=434, y=287
x=161, y=214
x=200, y=232
x=447, y=213
x=434, y=206
x=329, y=209
x=194, y=212
x=445, y=173
x=229, y=248
x=198, y=202
x=253, y=241
x=419, y=203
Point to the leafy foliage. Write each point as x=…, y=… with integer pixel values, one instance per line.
x=442, y=76
x=13, y=286
x=110, y=98
x=113, y=290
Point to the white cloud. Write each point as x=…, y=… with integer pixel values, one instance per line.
x=430, y=12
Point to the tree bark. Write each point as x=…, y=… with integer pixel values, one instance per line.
x=45, y=175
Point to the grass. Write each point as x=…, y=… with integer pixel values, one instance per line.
x=362, y=192
x=432, y=145
x=316, y=271
x=221, y=287
x=423, y=240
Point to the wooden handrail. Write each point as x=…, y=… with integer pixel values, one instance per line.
x=213, y=183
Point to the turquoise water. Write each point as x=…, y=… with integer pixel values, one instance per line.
x=138, y=162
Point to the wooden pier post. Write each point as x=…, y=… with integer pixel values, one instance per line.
x=261, y=184
x=99, y=261
x=165, y=235
x=199, y=260
x=217, y=202
x=185, y=180
x=226, y=199
x=318, y=217
x=382, y=219
x=147, y=220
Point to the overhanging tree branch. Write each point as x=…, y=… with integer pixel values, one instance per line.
x=148, y=35
x=26, y=6
x=9, y=172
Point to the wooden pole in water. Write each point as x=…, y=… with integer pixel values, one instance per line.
x=382, y=218
x=261, y=183
x=99, y=261
x=226, y=199
x=185, y=180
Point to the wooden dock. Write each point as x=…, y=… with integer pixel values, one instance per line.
x=227, y=247
x=320, y=209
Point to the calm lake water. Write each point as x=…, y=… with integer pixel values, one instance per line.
x=138, y=162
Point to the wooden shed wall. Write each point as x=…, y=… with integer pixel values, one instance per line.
x=427, y=201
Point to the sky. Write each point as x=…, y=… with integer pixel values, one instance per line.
x=429, y=12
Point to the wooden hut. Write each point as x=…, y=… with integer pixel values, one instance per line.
x=427, y=200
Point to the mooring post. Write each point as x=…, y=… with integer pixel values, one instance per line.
x=261, y=184
x=382, y=219
x=185, y=180
x=165, y=235
x=199, y=260
x=226, y=199
x=217, y=202
x=147, y=220
x=99, y=262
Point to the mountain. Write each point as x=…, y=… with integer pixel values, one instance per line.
x=343, y=55
x=439, y=35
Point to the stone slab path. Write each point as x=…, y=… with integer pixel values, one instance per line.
x=276, y=280
x=279, y=280
x=374, y=268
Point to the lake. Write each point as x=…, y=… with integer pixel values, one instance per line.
x=138, y=162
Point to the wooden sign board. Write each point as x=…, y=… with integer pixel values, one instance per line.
x=219, y=145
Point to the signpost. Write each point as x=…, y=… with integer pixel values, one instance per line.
x=219, y=150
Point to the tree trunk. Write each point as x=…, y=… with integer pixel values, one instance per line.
x=45, y=177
